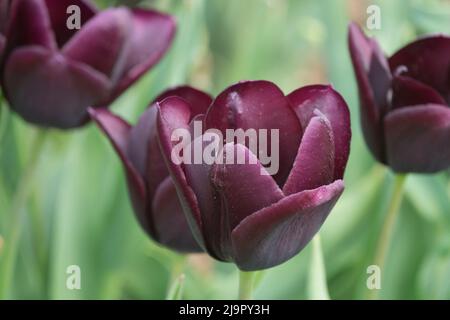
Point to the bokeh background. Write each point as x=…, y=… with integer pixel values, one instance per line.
x=78, y=212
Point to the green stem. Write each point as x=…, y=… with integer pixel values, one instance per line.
x=245, y=285
x=388, y=227
x=176, y=280
x=317, y=288
x=14, y=230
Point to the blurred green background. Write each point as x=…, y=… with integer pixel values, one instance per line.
x=78, y=212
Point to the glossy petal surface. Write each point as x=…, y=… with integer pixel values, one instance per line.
x=307, y=100
x=418, y=138
x=278, y=232
x=258, y=105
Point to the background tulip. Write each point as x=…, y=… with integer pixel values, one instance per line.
x=404, y=101
x=53, y=73
x=152, y=191
x=236, y=213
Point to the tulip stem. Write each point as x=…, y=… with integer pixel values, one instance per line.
x=16, y=214
x=317, y=286
x=388, y=227
x=245, y=285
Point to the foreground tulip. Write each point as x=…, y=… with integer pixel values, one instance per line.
x=151, y=189
x=404, y=101
x=52, y=72
x=238, y=212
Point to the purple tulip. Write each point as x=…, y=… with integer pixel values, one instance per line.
x=238, y=214
x=151, y=189
x=52, y=72
x=404, y=101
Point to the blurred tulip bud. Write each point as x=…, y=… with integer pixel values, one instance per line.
x=404, y=101
x=52, y=71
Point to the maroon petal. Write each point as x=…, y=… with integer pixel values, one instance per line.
x=277, y=233
x=373, y=78
x=418, y=138
x=198, y=176
x=140, y=136
x=233, y=191
x=47, y=89
x=144, y=151
x=30, y=25
x=426, y=60
x=324, y=98
x=101, y=42
x=151, y=36
x=314, y=165
x=199, y=101
x=243, y=188
x=258, y=105
x=57, y=10
x=171, y=226
x=409, y=92
x=175, y=113
x=118, y=131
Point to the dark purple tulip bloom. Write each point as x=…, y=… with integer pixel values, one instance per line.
x=53, y=73
x=404, y=101
x=236, y=213
x=151, y=189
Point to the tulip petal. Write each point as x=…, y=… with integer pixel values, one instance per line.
x=418, y=138
x=199, y=101
x=151, y=36
x=30, y=25
x=324, y=98
x=426, y=60
x=101, y=43
x=47, y=89
x=198, y=177
x=275, y=234
x=259, y=105
x=373, y=78
x=139, y=140
x=407, y=91
x=243, y=184
x=118, y=130
x=171, y=226
x=225, y=198
x=314, y=165
x=59, y=15
x=174, y=113
x=144, y=151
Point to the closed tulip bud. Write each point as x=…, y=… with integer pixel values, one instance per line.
x=63, y=56
x=237, y=210
x=404, y=101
